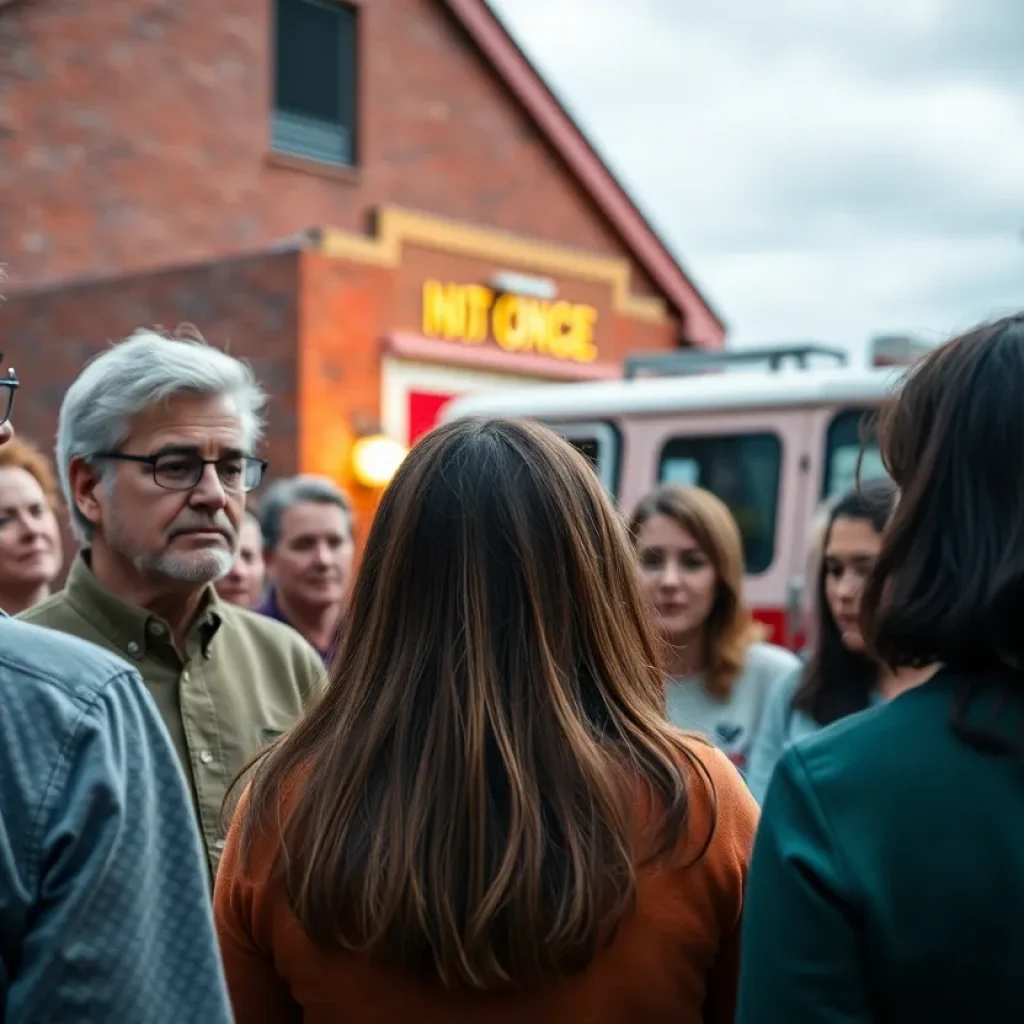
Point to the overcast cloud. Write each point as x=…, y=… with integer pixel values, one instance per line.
x=825, y=169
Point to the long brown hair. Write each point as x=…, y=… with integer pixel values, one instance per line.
x=730, y=628
x=468, y=786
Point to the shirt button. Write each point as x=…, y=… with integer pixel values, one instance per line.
x=218, y=844
x=185, y=676
x=157, y=629
x=133, y=648
x=206, y=756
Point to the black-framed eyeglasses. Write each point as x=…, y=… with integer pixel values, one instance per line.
x=181, y=471
x=9, y=384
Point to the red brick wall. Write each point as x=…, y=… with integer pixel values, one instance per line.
x=247, y=306
x=133, y=134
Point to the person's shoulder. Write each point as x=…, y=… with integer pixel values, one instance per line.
x=765, y=667
x=709, y=865
x=55, y=691
x=52, y=611
x=262, y=629
x=270, y=639
x=75, y=667
x=770, y=659
x=868, y=749
x=720, y=803
x=786, y=685
x=712, y=763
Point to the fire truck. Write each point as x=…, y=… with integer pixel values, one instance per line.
x=774, y=442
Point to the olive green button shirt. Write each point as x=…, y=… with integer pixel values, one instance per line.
x=243, y=680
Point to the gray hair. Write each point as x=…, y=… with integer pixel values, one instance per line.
x=146, y=368
x=296, y=490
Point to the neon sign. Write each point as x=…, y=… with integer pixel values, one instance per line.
x=473, y=314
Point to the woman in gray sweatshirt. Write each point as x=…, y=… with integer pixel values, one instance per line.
x=719, y=676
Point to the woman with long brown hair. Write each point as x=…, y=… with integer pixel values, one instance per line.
x=720, y=677
x=488, y=818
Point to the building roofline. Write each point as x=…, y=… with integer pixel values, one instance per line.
x=302, y=241
x=702, y=323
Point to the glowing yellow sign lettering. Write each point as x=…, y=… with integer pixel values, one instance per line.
x=478, y=305
x=517, y=323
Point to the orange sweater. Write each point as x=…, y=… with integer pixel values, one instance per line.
x=676, y=960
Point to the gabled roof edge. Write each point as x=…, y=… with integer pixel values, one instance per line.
x=702, y=323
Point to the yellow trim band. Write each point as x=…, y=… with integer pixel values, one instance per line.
x=396, y=226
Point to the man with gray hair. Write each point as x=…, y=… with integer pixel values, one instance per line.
x=156, y=448
x=307, y=538
x=104, y=907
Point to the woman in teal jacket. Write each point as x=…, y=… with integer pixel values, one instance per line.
x=887, y=882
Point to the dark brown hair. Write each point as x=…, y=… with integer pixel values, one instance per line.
x=21, y=454
x=836, y=681
x=466, y=792
x=730, y=628
x=948, y=585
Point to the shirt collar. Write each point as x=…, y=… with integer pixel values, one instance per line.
x=135, y=630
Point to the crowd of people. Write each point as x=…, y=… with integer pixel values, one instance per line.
x=532, y=758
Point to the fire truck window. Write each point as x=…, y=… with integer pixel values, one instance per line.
x=589, y=446
x=599, y=443
x=847, y=433
x=741, y=469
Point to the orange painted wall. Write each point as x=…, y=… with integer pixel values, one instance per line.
x=343, y=311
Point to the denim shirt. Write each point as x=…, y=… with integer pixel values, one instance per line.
x=104, y=898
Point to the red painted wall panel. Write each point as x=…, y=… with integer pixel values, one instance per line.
x=424, y=409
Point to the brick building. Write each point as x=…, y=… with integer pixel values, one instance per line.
x=378, y=202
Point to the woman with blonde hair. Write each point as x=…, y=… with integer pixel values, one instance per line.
x=487, y=817
x=691, y=568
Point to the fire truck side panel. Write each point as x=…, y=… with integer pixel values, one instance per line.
x=773, y=447
x=755, y=461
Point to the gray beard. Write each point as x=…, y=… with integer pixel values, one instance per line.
x=202, y=567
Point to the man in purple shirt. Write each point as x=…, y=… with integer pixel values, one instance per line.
x=307, y=537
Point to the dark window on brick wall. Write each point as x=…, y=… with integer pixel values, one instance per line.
x=315, y=75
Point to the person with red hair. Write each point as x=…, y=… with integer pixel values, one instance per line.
x=31, y=549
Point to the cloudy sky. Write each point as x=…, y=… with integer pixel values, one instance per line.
x=825, y=169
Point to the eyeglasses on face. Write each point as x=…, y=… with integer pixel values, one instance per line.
x=181, y=471
x=8, y=385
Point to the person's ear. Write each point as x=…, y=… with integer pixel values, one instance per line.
x=84, y=484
